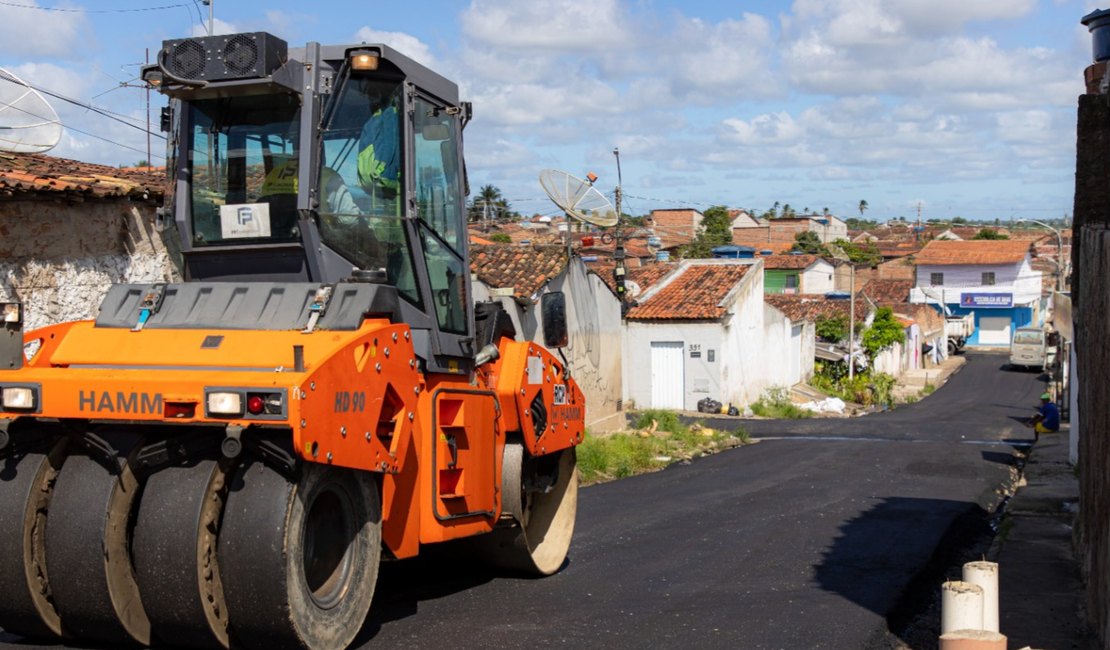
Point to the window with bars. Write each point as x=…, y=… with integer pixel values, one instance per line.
x=936, y=279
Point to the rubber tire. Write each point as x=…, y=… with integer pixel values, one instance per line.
x=261, y=557
x=174, y=547
x=26, y=487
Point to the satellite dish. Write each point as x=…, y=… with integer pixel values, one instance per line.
x=28, y=124
x=578, y=198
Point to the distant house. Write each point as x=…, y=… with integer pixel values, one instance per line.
x=518, y=276
x=994, y=280
x=675, y=227
x=69, y=230
x=797, y=274
x=702, y=330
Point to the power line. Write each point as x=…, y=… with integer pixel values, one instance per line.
x=118, y=117
x=89, y=11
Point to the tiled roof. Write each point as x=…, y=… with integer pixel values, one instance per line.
x=644, y=276
x=780, y=262
x=799, y=307
x=757, y=239
x=694, y=292
x=891, y=249
x=894, y=291
x=525, y=269
x=28, y=174
x=994, y=252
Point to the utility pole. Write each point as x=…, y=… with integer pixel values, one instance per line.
x=618, y=249
x=211, y=13
x=147, y=86
x=851, y=321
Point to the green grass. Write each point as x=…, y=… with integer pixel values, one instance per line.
x=627, y=453
x=776, y=403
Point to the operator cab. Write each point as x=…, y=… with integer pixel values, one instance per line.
x=325, y=164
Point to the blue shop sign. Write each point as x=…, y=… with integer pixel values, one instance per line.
x=1000, y=300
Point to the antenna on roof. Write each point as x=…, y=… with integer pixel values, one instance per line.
x=578, y=198
x=28, y=123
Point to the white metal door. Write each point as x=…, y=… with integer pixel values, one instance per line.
x=994, y=330
x=667, y=375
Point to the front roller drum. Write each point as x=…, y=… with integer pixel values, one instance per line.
x=299, y=560
x=26, y=485
x=543, y=514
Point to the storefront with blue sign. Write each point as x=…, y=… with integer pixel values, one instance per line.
x=996, y=316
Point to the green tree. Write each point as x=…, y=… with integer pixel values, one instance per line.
x=884, y=332
x=989, y=233
x=861, y=254
x=808, y=242
x=833, y=329
x=715, y=231
x=958, y=221
x=862, y=207
x=500, y=238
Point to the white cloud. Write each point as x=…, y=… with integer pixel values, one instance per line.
x=554, y=26
x=775, y=129
x=406, y=44
x=37, y=33
x=218, y=27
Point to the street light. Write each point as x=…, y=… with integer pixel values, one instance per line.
x=1059, y=251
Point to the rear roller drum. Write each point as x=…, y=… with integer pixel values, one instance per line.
x=299, y=561
x=87, y=547
x=542, y=496
x=175, y=554
x=26, y=485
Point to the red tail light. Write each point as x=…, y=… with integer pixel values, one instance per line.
x=256, y=405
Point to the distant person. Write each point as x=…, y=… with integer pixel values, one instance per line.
x=1047, y=419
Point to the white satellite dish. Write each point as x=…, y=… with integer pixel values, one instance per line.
x=578, y=198
x=28, y=124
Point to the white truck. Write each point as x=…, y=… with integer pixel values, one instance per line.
x=958, y=329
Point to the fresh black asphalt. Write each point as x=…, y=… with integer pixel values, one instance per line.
x=806, y=539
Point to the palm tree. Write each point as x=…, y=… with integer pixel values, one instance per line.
x=487, y=203
x=862, y=206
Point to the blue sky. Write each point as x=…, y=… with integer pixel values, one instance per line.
x=962, y=107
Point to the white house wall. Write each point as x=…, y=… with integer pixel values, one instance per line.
x=751, y=350
x=594, y=346
x=1019, y=279
x=819, y=278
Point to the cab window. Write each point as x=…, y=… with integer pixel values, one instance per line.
x=243, y=163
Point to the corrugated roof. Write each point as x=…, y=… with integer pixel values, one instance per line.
x=976, y=252
x=524, y=269
x=31, y=174
x=695, y=292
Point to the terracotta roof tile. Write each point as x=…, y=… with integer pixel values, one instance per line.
x=525, y=269
x=799, y=307
x=948, y=253
x=23, y=174
x=643, y=276
x=892, y=291
x=781, y=262
x=694, y=292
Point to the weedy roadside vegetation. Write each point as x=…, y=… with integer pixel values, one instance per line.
x=775, y=403
x=658, y=439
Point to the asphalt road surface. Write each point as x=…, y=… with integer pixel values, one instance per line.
x=807, y=539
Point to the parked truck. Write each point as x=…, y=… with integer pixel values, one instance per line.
x=958, y=329
x=224, y=461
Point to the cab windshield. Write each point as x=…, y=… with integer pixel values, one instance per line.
x=243, y=162
x=361, y=180
x=1028, y=338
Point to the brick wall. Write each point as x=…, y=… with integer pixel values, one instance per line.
x=1091, y=297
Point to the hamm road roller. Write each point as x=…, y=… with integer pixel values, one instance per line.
x=224, y=461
